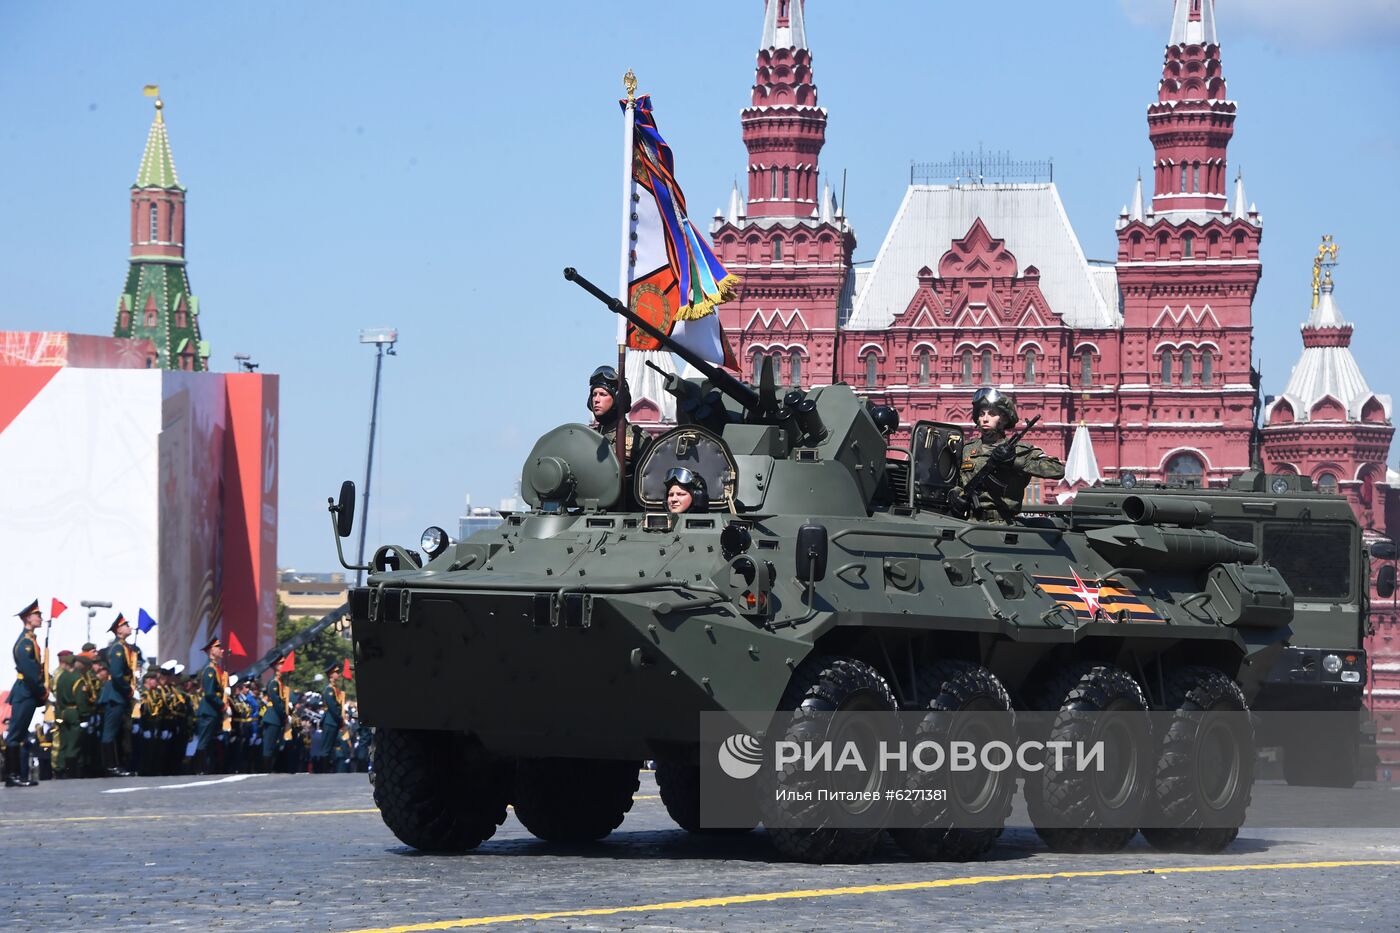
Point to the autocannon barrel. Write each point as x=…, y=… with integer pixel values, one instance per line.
x=1167, y=510
x=720, y=379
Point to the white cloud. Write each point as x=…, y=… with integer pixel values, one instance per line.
x=1314, y=22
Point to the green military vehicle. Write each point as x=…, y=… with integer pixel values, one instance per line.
x=539, y=664
x=1315, y=543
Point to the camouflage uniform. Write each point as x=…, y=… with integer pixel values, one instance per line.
x=1006, y=484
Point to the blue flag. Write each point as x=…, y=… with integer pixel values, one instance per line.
x=144, y=622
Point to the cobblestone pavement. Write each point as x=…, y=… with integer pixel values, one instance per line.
x=304, y=853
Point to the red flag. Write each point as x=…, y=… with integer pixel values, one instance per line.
x=345, y=670
x=56, y=609
x=234, y=645
x=289, y=663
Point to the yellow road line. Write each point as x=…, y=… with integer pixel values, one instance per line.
x=772, y=896
x=179, y=816
x=202, y=816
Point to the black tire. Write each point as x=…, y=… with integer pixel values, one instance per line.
x=679, y=783
x=436, y=791
x=820, y=686
x=574, y=800
x=1321, y=752
x=1092, y=811
x=1205, y=764
x=965, y=825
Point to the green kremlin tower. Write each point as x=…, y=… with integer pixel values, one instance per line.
x=156, y=304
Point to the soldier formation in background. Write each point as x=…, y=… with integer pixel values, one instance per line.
x=113, y=713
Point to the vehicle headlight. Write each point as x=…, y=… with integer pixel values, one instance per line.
x=1331, y=664
x=435, y=541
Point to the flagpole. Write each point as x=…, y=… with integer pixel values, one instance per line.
x=629, y=116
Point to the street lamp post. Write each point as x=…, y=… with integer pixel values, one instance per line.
x=383, y=339
x=92, y=605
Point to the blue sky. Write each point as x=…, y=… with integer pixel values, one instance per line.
x=432, y=166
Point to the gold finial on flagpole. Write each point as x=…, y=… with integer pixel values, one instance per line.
x=629, y=81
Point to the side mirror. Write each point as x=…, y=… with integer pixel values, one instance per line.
x=1383, y=550
x=811, y=553
x=345, y=509
x=1385, y=581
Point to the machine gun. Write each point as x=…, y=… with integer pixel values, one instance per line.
x=761, y=406
x=963, y=504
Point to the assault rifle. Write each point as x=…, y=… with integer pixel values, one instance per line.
x=1002, y=454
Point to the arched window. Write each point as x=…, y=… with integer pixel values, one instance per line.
x=872, y=368
x=967, y=367
x=1183, y=178
x=755, y=362
x=986, y=367
x=150, y=317
x=1086, y=367
x=1196, y=177
x=124, y=321
x=1327, y=483
x=1030, y=366
x=778, y=249
x=1188, y=245
x=1166, y=366
x=1207, y=367
x=773, y=183
x=1186, y=470
x=155, y=225
x=1188, y=367
x=795, y=370
x=924, y=366
x=785, y=183
x=181, y=321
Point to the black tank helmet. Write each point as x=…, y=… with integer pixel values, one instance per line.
x=998, y=401
x=692, y=483
x=886, y=419
x=605, y=377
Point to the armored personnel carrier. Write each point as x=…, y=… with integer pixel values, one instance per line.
x=538, y=664
x=1316, y=544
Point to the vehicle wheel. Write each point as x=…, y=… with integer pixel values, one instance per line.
x=1205, y=764
x=1321, y=753
x=437, y=791
x=1093, y=810
x=679, y=783
x=574, y=799
x=966, y=823
x=820, y=686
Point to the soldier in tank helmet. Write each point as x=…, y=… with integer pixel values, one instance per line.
x=999, y=498
x=685, y=491
x=609, y=397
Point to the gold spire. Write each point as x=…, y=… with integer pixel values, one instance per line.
x=1326, y=257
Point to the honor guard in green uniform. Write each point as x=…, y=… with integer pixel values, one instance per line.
x=1012, y=466
x=118, y=694
x=237, y=737
x=276, y=719
x=213, y=707
x=28, y=694
x=333, y=721
x=70, y=732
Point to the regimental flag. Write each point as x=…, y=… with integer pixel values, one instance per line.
x=289, y=663
x=57, y=608
x=346, y=671
x=675, y=281
x=1103, y=601
x=235, y=646
x=144, y=621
